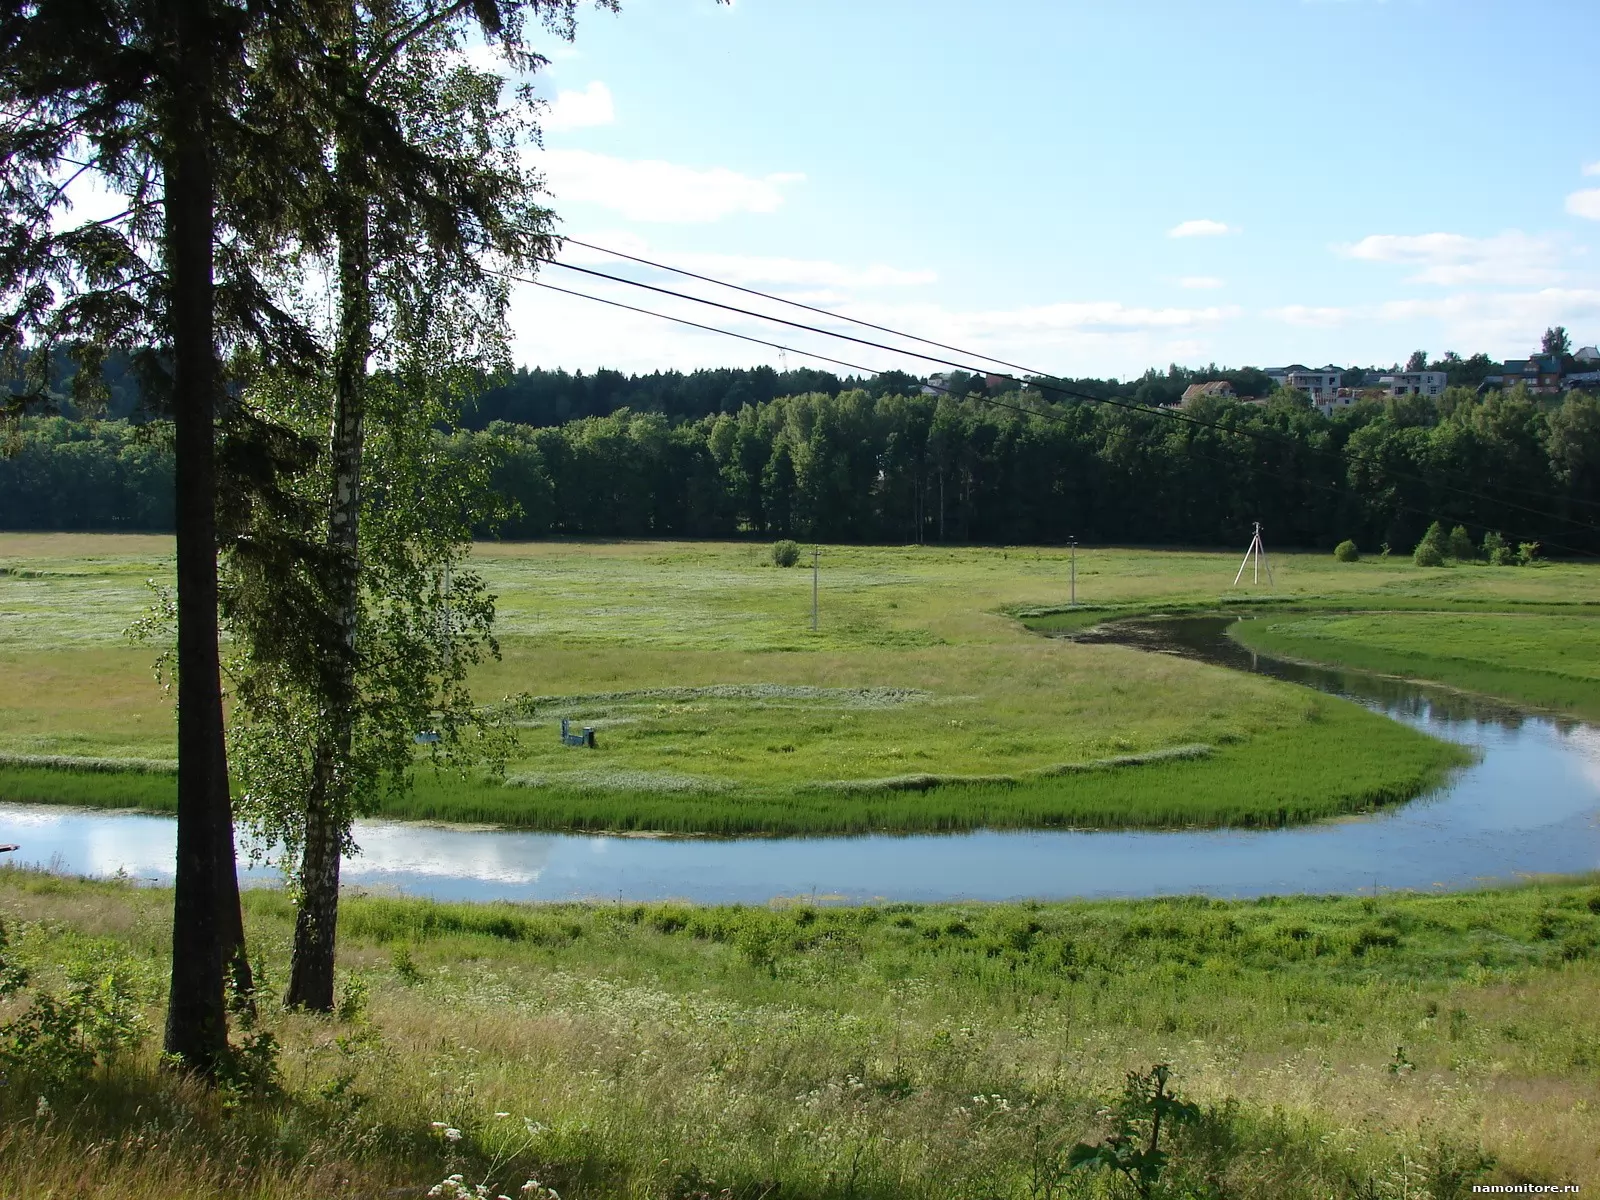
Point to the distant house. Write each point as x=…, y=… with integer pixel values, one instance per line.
x=1320, y=384
x=1414, y=383
x=1588, y=356
x=1540, y=374
x=1197, y=391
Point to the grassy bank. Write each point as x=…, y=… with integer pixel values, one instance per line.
x=1336, y=759
x=1539, y=659
x=1380, y=1047
x=922, y=702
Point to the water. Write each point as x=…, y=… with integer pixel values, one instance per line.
x=1529, y=806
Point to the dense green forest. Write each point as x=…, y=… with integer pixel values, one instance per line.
x=1013, y=468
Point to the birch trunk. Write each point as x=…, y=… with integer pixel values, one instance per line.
x=328, y=805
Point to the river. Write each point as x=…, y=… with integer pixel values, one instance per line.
x=1528, y=806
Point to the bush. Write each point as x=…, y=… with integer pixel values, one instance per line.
x=1346, y=551
x=1526, y=553
x=1430, y=550
x=1495, y=550
x=785, y=553
x=1460, y=545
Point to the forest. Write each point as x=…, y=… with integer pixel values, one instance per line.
x=1012, y=468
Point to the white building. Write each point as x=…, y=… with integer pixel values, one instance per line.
x=1414, y=383
x=1320, y=384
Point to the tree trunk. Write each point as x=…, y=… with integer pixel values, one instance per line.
x=197, y=1031
x=328, y=807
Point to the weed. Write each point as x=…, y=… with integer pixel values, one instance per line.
x=1132, y=1149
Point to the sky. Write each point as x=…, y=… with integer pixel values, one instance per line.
x=1082, y=188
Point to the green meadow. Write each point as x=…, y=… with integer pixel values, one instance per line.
x=1389, y=1047
x=1533, y=658
x=926, y=698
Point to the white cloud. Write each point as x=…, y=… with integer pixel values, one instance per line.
x=1499, y=322
x=1198, y=228
x=555, y=330
x=1585, y=203
x=1512, y=258
x=1200, y=282
x=1103, y=315
x=759, y=269
x=1307, y=316
x=651, y=190
x=1592, y=169
x=579, y=110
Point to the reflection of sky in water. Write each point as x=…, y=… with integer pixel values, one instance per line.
x=1527, y=807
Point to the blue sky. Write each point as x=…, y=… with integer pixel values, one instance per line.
x=1085, y=188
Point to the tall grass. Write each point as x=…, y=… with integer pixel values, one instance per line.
x=1388, y=1046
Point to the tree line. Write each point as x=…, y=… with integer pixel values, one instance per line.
x=1003, y=469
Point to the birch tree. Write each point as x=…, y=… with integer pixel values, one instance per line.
x=425, y=208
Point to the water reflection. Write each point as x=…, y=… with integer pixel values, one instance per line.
x=1528, y=806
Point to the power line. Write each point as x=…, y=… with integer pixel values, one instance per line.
x=1000, y=404
x=1258, y=434
x=1168, y=414
x=795, y=304
x=838, y=362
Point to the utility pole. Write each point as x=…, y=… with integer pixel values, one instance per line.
x=1259, y=553
x=816, y=560
x=1073, y=569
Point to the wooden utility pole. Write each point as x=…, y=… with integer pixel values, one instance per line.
x=816, y=566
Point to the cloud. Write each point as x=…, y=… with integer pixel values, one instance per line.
x=759, y=269
x=1306, y=316
x=1592, y=169
x=1512, y=258
x=1585, y=203
x=651, y=190
x=579, y=110
x=1499, y=322
x=555, y=330
x=1198, y=228
x=1098, y=315
x=1200, y=282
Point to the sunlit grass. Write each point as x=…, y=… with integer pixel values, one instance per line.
x=645, y=640
x=1343, y=1047
x=1549, y=661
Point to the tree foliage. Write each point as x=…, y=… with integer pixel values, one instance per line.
x=918, y=468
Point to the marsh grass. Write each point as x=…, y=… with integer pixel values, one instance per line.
x=1338, y=760
x=1363, y=1047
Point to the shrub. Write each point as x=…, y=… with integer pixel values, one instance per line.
x=785, y=553
x=1346, y=551
x=1460, y=545
x=1495, y=550
x=1430, y=550
x=1526, y=553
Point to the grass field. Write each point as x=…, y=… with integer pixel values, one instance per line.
x=921, y=703
x=1548, y=661
x=1396, y=1047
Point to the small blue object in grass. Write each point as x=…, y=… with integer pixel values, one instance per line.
x=568, y=738
x=427, y=737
